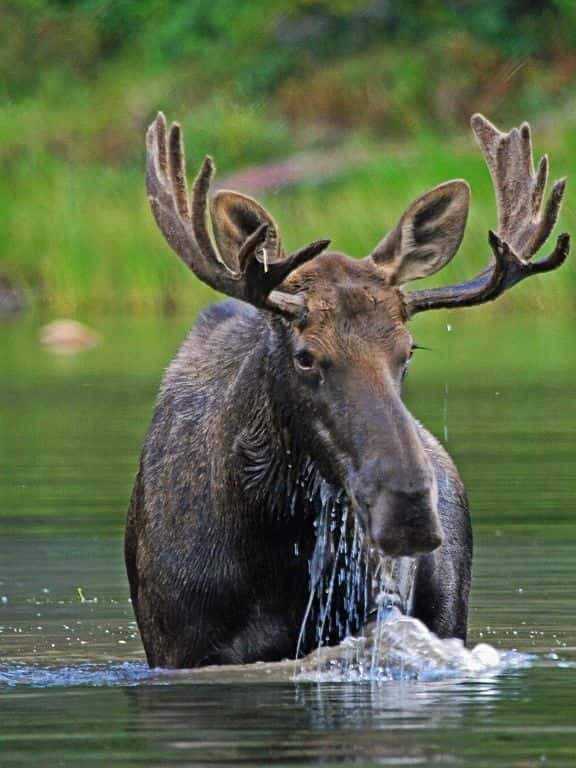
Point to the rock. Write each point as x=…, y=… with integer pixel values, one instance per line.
x=67, y=337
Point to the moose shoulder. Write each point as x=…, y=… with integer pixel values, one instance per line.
x=280, y=439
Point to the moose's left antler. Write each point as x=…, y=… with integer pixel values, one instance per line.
x=250, y=264
x=523, y=224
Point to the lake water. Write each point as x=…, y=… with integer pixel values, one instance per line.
x=74, y=688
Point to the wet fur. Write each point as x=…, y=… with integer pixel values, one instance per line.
x=225, y=488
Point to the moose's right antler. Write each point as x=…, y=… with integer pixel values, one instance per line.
x=260, y=263
x=523, y=226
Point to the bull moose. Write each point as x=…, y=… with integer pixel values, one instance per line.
x=280, y=431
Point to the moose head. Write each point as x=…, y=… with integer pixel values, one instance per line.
x=340, y=345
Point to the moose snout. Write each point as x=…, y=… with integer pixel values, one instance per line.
x=405, y=523
x=393, y=482
x=400, y=520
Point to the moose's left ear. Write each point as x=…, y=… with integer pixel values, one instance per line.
x=427, y=236
x=234, y=218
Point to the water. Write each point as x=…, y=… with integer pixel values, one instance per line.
x=74, y=689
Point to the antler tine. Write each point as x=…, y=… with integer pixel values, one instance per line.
x=506, y=271
x=519, y=189
x=177, y=168
x=168, y=197
x=540, y=184
x=267, y=281
x=523, y=227
x=550, y=217
x=185, y=227
x=160, y=145
x=299, y=257
x=200, y=190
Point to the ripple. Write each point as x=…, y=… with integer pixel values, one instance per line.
x=84, y=674
x=399, y=648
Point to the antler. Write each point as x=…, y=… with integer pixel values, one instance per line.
x=184, y=224
x=523, y=226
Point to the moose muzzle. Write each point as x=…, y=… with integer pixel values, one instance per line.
x=399, y=510
x=405, y=523
x=392, y=481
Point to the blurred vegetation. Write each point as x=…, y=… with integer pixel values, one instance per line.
x=253, y=82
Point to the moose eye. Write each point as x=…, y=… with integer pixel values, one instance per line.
x=407, y=361
x=409, y=358
x=304, y=360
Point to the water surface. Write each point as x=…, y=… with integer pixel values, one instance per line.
x=74, y=689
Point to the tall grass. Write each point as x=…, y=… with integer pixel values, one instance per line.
x=80, y=236
x=252, y=82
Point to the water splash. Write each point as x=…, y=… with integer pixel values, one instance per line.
x=396, y=580
x=360, y=595
x=399, y=647
x=349, y=580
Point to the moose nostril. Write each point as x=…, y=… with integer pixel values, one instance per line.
x=431, y=542
x=400, y=545
x=405, y=524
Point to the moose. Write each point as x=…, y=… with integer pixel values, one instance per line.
x=285, y=401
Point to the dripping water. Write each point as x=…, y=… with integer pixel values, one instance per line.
x=357, y=623
x=353, y=589
x=445, y=412
x=379, y=640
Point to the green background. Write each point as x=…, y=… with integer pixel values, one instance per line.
x=373, y=98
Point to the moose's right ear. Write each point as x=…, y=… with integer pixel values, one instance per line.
x=427, y=236
x=234, y=218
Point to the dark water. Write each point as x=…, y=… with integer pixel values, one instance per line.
x=73, y=686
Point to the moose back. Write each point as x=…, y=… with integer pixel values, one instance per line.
x=280, y=439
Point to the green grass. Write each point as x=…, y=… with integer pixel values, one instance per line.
x=253, y=82
x=80, y=235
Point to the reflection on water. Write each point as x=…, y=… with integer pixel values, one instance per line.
x=482, y=722
x=73, y=685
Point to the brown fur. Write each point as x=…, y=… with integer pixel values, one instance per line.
x=274, y=415
x=239, y=449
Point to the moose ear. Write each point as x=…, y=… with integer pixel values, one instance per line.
x=427, y=236
x=234, y=218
